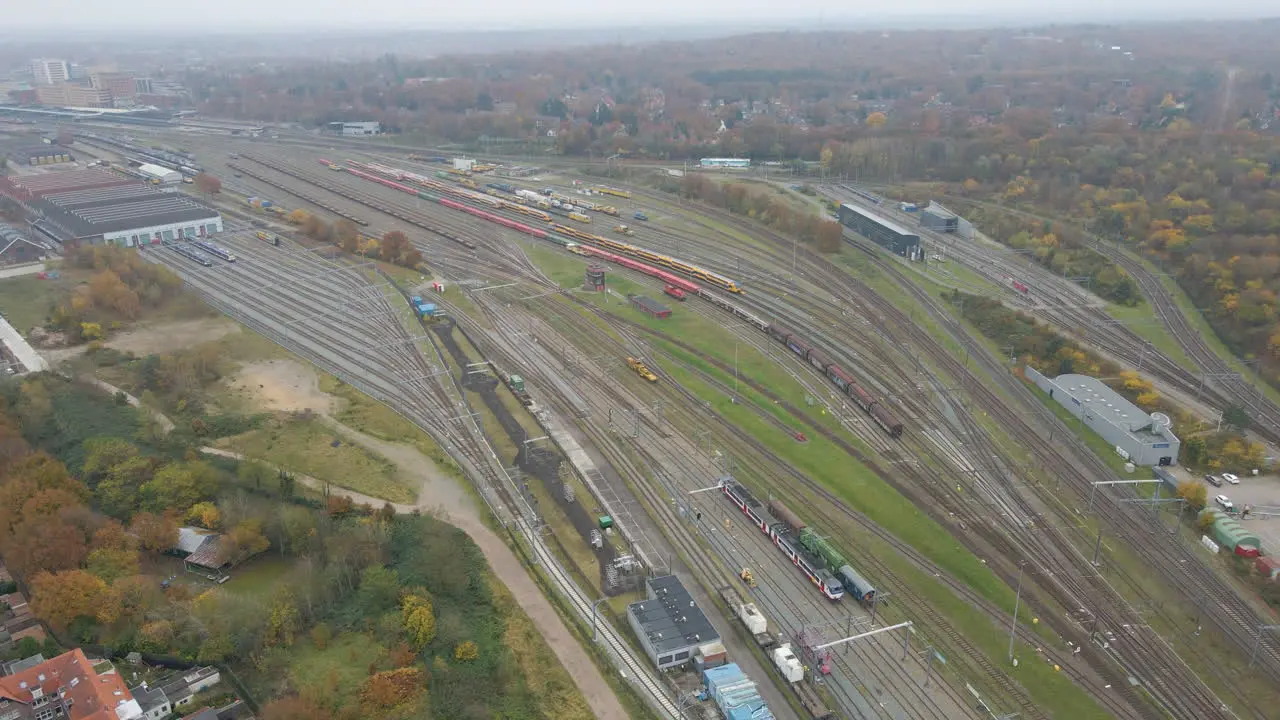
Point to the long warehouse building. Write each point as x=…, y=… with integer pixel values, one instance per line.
x=97, y=207
x=886, y=234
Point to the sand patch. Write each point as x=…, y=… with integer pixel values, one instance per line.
x=166, y=337
x=284, y=385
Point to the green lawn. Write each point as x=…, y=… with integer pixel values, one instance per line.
x=25, y=301
x=1142, y=321
x=259, y=577
x=336, y=672
x=305, y=446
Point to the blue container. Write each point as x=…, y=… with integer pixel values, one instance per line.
x=416, y=300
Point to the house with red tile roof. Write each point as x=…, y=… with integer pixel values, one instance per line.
x=66, y=687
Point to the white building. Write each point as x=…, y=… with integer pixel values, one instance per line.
x=163, y=174
x=1141, y=438
x=355, y=129
x=48, y=71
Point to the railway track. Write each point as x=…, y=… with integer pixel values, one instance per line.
x=387, y=366
x=1170, y=665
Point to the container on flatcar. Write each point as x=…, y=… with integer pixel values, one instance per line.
x=783, y=513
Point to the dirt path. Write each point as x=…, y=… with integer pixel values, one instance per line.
x=440, y=493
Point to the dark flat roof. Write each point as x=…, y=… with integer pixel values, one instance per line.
x=87, y=217
x=886, y=224
x=672, y=620
x=650, y=304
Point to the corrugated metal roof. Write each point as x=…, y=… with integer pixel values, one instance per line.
x=886, y=224
x=191, y=539
x=47, y=183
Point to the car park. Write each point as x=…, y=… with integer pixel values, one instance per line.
x=1213, y=480
x=1225, y=503
x=1233, y=479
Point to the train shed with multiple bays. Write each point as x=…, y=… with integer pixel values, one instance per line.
x=99, y=207
x=670, y=625
x=885, y=233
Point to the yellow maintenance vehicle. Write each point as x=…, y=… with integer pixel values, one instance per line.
x=641, y=369
x=747, y=577
x=624, y=230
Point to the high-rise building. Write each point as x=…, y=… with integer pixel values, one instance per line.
x=120, y=85
x=47, y=71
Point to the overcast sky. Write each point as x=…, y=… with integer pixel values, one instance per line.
x=510, y=14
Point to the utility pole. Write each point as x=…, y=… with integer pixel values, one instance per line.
x=1017, y=603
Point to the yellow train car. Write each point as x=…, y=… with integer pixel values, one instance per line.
x=612, y=191
x=579, y=217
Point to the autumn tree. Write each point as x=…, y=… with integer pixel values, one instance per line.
x=1236, y=417
x=391, y=688
x=156, y=636
x=347, y=236
x=205, y=514
x=283, y=620
x=208, y=184
x=179, y=485
x=157, y=533
x=393, y=246
x=59, y=598
x=419, y=620
x=244, y=541
x=466, y=651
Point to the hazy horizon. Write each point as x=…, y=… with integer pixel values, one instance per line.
x=256, y=16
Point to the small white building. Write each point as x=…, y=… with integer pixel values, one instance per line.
x=162, y=174
x=463, y=163
x=1141, y=438
x=355, y=129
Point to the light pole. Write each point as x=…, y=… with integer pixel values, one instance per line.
x=1017, y=603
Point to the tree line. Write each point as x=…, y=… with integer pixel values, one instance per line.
x=393, y=247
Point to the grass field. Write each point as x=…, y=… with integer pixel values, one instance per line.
x=259, y=577
x=25, y=301
x=306, y=446
x=335, y=673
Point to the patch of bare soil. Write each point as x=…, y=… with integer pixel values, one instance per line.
x=283, y=385
x=167, y=337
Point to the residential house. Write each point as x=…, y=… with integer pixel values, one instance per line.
x=16, y=618
x=154, y=703
x=180, y=689
x=66, y=687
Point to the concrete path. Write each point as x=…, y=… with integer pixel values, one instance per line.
x=20, y=270
x=441, y=497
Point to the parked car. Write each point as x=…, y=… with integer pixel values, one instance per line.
x=1234, y=480
x=1213, y=480
x=1225, y=503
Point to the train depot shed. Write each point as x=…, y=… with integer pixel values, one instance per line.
x=1141, y=438
x=670, y=625
x=937, y=217
x=98, y=207
x=649, y=306
x=886, y=234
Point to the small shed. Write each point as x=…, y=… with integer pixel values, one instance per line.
x=649, y=306
x=1268, y=567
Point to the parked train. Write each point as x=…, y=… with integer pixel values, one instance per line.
x=192, y=254
x=781, y=535
x=702, y=274
x=865, y=400
x=215, y=250
x=613, y=251
x=818, y=546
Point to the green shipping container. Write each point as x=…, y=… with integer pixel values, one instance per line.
x=606, y=522
x=517, y=383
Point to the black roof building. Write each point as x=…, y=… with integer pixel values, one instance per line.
x=126, y=214
x=670, y=625
x=882, y=232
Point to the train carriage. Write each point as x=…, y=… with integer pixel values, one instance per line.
x=862, y=397
x=886, y=420
x=747, y=503
x=779, y=333
x=783, y=513
x=818, y=360
x=856, y=585
x=821, y=579
x=798, y=346
x=838, y=376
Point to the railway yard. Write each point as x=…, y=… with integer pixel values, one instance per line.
x=894, y=441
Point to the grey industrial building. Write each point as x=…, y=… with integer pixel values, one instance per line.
x=1145, y=439
x=670, y=625
x=882, y=232
x=937, y=217
x=98, y=207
